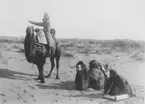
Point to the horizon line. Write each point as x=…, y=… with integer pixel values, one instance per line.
x=76, y=38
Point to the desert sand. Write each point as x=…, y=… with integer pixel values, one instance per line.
x=17, y=84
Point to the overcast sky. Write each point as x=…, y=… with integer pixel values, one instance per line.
x=95, y=19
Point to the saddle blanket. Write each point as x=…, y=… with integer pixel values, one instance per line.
x=41, y=49
x=41, y=37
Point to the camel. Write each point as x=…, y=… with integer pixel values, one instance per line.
x=97, y=76
x=33, y=56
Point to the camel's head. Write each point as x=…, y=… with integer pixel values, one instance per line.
x=30, y=30
x=94, y=64
x=113, y=73
x=80, y=66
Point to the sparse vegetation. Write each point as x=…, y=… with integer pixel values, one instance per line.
x=84, y=46
x=68, y=55
x=139, y=56
x=102, y=46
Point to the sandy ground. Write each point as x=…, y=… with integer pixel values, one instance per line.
x=17, y=84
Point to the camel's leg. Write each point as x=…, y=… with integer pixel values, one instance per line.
x=39, y=74
x=57, y=56
x=57, y=67
x=40, y=67
x=52, y=66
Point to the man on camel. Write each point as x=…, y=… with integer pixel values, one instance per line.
x=44, y=36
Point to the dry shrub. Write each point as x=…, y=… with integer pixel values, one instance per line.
x=67, y=55
x=86, y=46
x=139, y=56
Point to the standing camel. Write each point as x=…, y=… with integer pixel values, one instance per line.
x=33, y=56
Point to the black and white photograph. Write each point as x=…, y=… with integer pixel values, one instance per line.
x=72, y=51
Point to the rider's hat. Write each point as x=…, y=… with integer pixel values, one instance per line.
x=46, y=16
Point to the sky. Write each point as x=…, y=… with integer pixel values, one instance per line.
x=87, y=19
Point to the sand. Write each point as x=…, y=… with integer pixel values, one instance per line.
x=17, y=84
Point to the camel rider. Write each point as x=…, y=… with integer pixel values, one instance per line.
x=46, y=28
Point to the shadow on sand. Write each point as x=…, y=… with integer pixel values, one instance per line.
x=6, y=73
x=69, y=85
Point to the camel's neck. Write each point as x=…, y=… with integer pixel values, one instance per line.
x=30, y=51
x=32, y=45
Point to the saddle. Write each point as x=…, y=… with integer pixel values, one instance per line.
x=41, y=49
x=41, y=42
